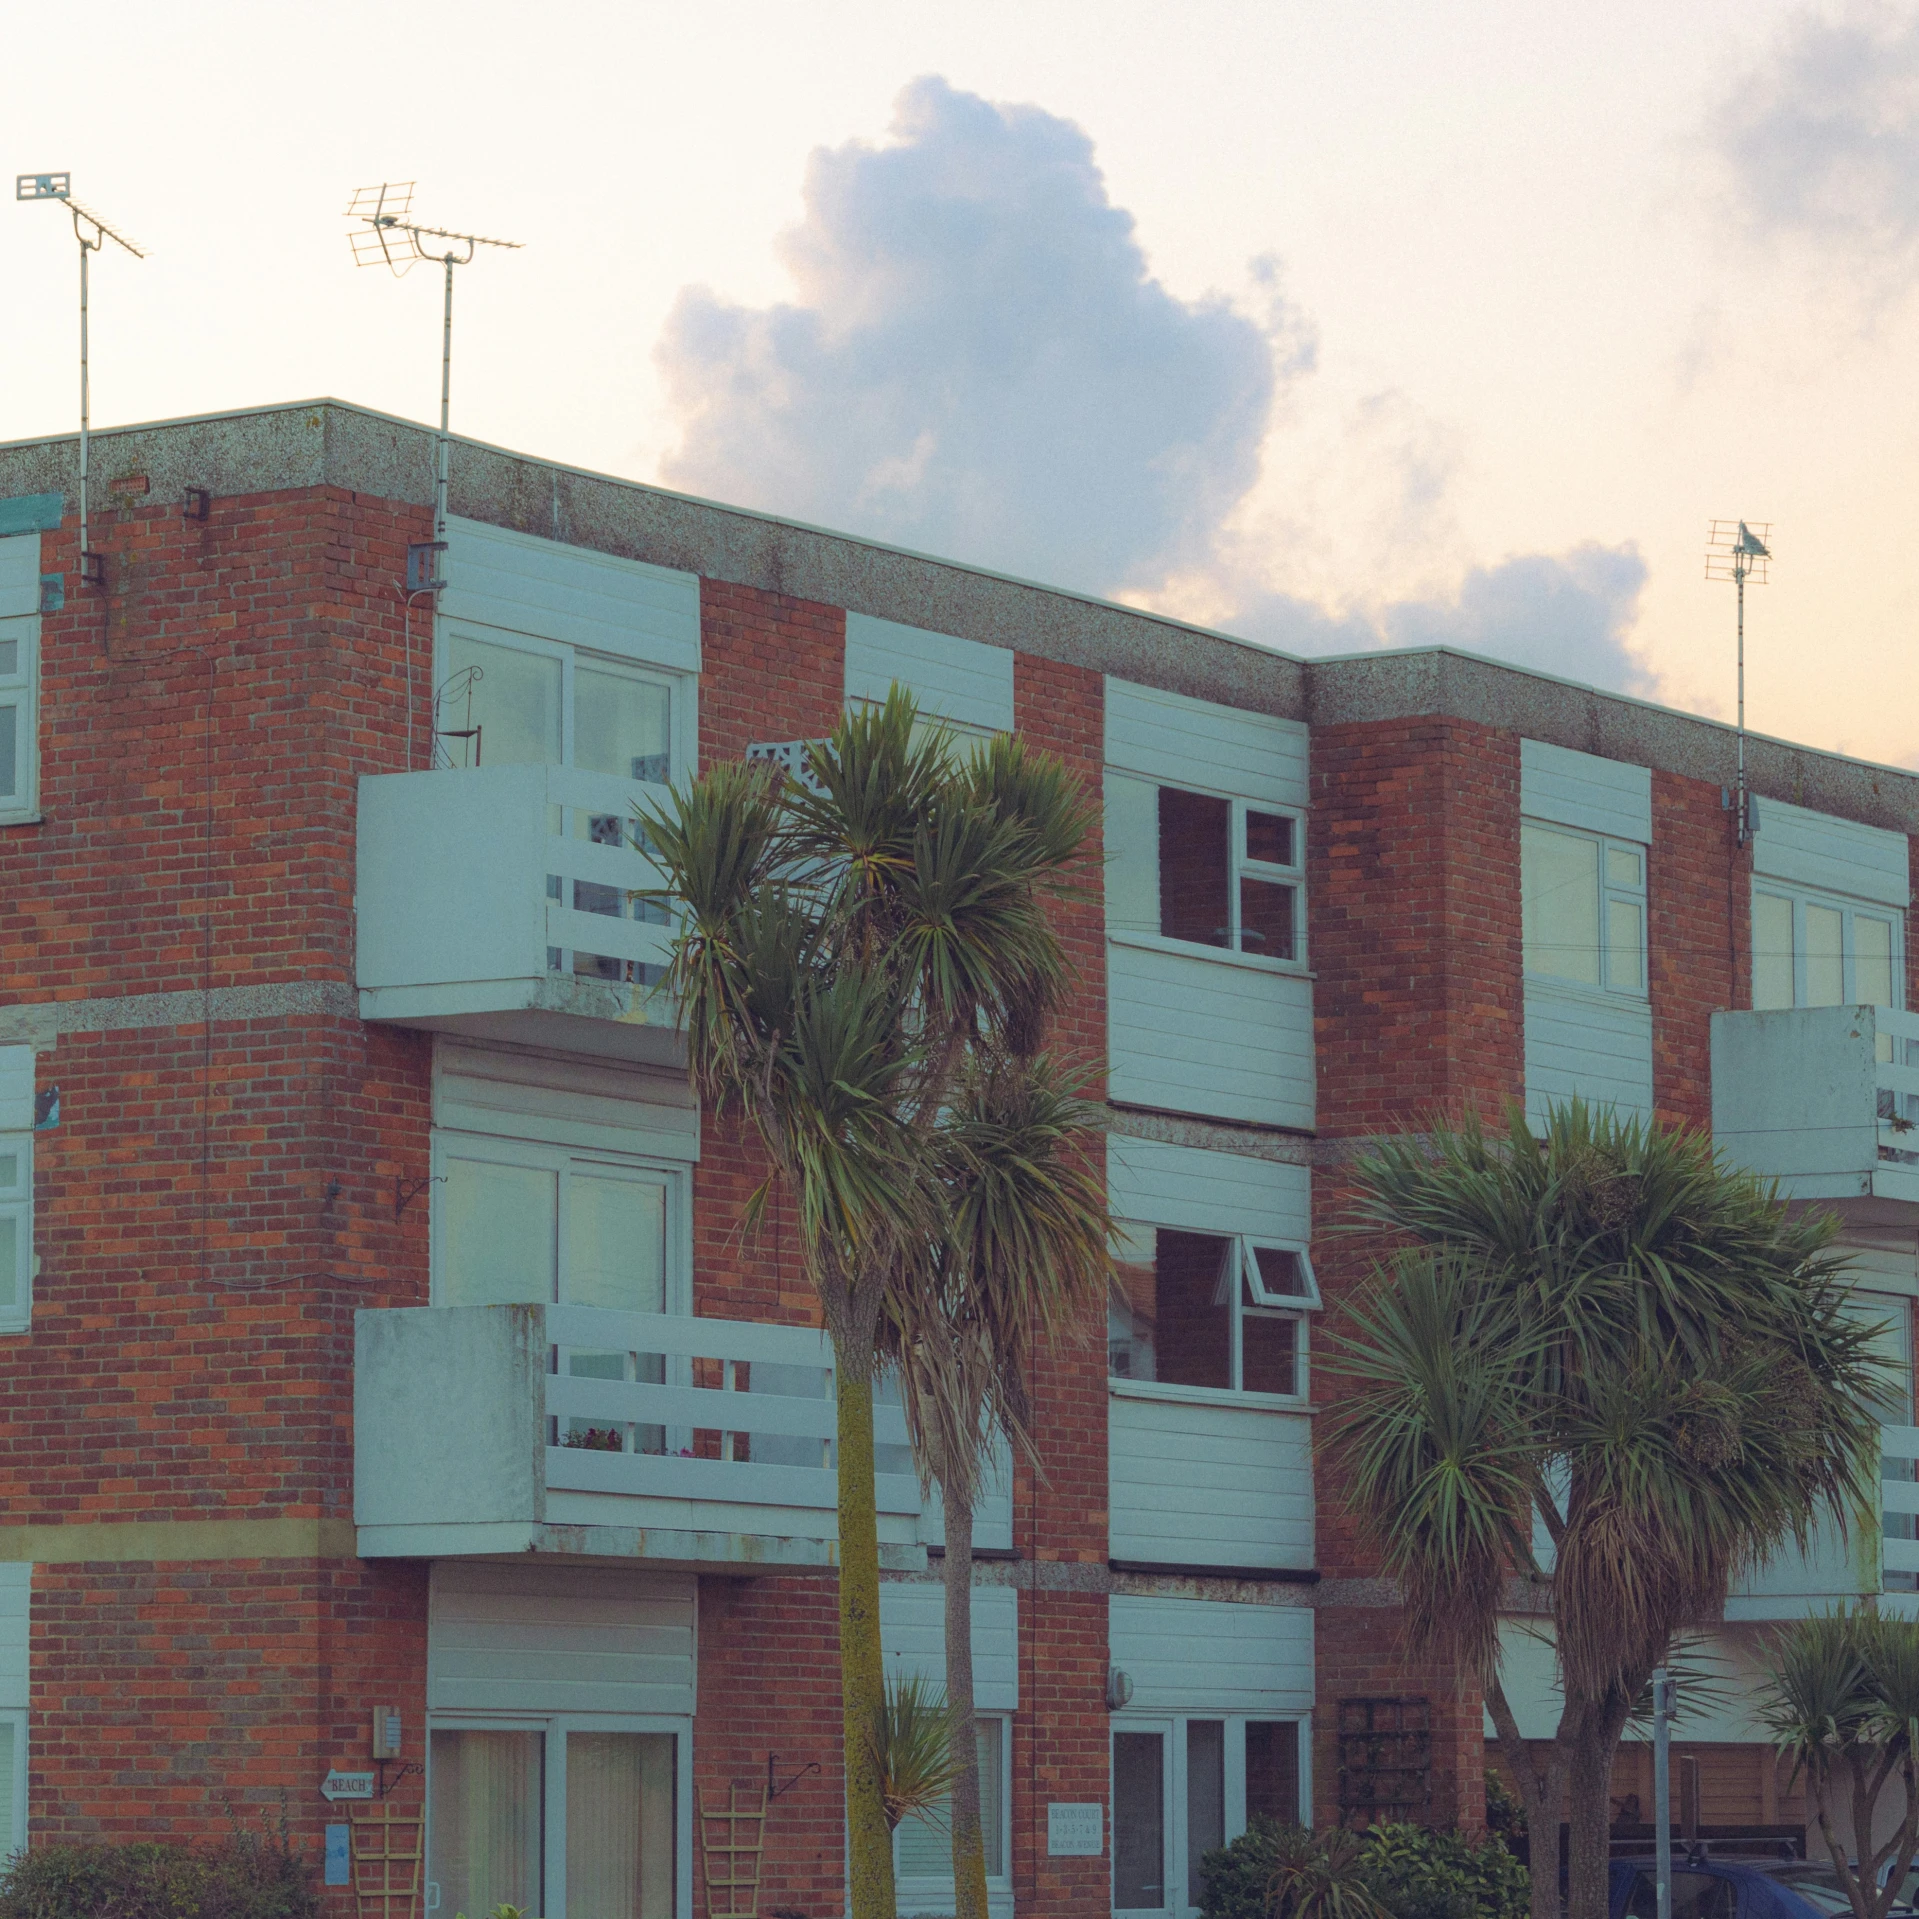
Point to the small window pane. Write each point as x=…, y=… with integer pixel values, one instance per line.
x=619, y=1824
x=513, y=698
x=1132, y=1303
x=1269, y=1353
x=1266, y=918
x=1272, y=1770
x=1189, y=1316
x=9, y=658
x=1872, y=964
x=1269, y=837
x=1281, y=1272
x=1825, y=956
x=1771, y=952
x=9, y=752
x=1625, y=946
x=615, y=1243
x=1205, y=1796
x=486, y=1820
x=1623, y=867
x=1139, y=1821
x=500, y=1235
x=9, y=1840
x=1194, y=902
x=1132, y=855
x=11, y=1261
x=1559, y=893
x=9, y=1172
x=621, y=725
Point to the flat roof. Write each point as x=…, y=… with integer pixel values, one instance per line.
x=332, y=443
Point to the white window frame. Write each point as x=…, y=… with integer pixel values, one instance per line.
x=555, y=1727
x=1608, y=843
x=1238, y=866
x=1801, y=897
x=20, y=690
x=1298, y=1307
x=537, y=1155
x=1172, y=1726
x=16, y=1202
x=932, y=1893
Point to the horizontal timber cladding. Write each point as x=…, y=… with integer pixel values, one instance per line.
x=1212, y=1655
x=1200, y=1191
x=913, y=1638
x=1596, y=1046
x=650, y=614
x=523, y=1637
x=564, y=1100
x=1193, y=743
x=1834, y=855
x=1215, y=1037
x=964, y=681
x=1581, y=789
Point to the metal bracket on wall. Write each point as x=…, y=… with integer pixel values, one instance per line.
x=199, y=503
x=405, y=1192
x=773, y=1791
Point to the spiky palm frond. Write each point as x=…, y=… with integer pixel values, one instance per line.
x=919, y=1744
x=1321, y=1875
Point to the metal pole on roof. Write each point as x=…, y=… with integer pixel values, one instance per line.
x=1736, y=552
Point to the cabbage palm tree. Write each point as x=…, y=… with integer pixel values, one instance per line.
x=1021, y=1259
x=1611, y=1337
x=844, y=938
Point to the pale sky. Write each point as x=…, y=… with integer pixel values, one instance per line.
x=1432, y=322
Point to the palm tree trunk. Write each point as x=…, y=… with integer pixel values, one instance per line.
x=969, y=1839
x=1595, y=1742
x=1542, y=1791
x=862, y=1675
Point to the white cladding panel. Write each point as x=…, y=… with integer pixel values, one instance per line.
x=1199, y=1191
x=16, y=1089
x=992, y=1510
x=1204, y=1484
x=544, y=1638
x=650, y=614
x=1597, y=1048
x=964, y=681
x=16, y=1587
x=913, y=1638
x=1207, y=1036
x=1834, y=855
x=1581, y=789
x=19, y=575
x=1218, y=749
x=1211, y=1655
x=565, y=1101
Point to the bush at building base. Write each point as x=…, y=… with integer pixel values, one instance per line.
x=247, y=1875
x=1391, y=1872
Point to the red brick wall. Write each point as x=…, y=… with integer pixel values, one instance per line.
x=1699, y=919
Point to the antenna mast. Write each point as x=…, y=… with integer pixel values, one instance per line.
x=387, y=237
x=1739, y=552
x=59, y=186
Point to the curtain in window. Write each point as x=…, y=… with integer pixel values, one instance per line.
x=486, y=1820
x=924, y=1845
x=619, y=1825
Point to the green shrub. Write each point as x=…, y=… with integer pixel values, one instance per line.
x=247, y=1875
x=1282, y=1872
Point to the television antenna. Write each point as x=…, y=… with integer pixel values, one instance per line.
x=93, y=232
x=1739, y=552
x=388, y=236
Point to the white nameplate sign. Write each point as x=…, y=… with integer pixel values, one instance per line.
x=1073, y=1832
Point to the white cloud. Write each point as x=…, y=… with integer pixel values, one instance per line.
x=979, y=362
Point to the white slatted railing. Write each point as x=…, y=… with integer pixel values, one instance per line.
x=594, y=871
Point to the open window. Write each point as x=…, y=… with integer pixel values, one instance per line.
x=1220, y=1310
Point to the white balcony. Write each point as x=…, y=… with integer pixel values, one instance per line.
x=571, y=1429
x=1823, y=1100
x=498, y=901
x=1204, y=1479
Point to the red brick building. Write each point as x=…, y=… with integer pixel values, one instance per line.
x=348, y=1172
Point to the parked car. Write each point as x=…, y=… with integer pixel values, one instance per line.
x=1708, y=1888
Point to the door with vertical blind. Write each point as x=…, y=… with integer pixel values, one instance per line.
x=577, y=1814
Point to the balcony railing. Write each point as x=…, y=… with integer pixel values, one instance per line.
x=502, y=900
x=1824, y=1099
x=485, y=1429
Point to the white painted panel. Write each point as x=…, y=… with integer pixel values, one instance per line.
x=992, y=1510
x=1203, y=1484
x=1835, y=855
x=1581, y=789
x=1211, y=1655
x=964, y=681
x=1200, y=1191
x=1599, y=1049
x=19, y=575
x=1221, y=749
x=565, y=1101
x=1206, y=1036
x=913, y=1638
x=545, y=1638
x=16, y=1089
x=566, y=593
x=16, y=1585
